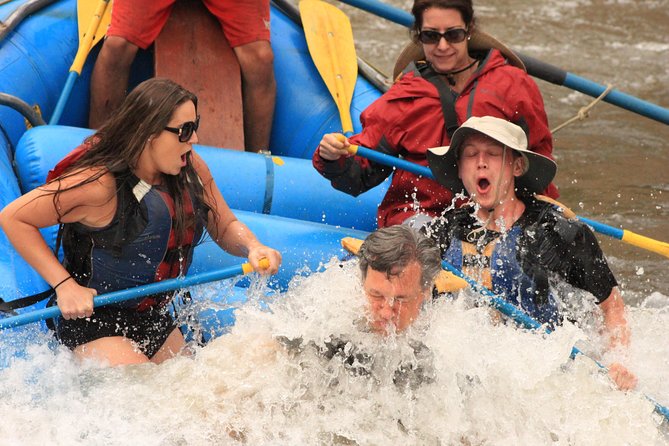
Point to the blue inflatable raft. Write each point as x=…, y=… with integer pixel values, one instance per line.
x=280, y=197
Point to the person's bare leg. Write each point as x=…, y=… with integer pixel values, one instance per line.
x=109, y=80
x=256, y=61
x=174, y=345
x=112, y=351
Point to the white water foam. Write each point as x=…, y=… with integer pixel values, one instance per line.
x=480, y=382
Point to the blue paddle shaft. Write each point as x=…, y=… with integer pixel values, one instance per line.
x=542, y=70
x=602, y=228
x=380, y=9
x=504, y=307
x=388, y=160
x=128, y=294
x=522, y=318
x=64, y=97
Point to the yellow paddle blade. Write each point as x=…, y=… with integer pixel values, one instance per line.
x=447, y=282
x=94, y=14
x=93, y=17
x=351, y=244
x=330, y=41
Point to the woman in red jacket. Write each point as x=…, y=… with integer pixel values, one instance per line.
x=429, y=100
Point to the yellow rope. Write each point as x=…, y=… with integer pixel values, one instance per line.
x=584, y=111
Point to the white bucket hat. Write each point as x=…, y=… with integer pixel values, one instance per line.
x=539, y=169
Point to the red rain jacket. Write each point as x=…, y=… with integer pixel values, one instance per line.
x=408, y=119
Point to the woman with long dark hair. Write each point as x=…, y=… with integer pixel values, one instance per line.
x=132, y=202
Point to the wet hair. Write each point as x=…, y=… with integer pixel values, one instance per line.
x=464, y=7
x=389, y=250
x=118, y=144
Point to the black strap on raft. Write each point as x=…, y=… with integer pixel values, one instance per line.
x=446, y=96
x=9, y=307
x=22, y=302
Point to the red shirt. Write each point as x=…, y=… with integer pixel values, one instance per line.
x=408, y=119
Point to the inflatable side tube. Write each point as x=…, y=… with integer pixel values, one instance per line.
x=304, y=245
x=17, y=278
x=34, y=63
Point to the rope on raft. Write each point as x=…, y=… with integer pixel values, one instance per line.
x=584, y=112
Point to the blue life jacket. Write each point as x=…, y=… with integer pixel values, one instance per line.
x=496, y=266
x=138, y=247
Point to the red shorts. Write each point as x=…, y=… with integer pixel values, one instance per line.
x=140, y=21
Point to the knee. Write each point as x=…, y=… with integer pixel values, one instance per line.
x=256, y=61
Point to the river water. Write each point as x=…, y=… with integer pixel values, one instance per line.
x=471, y=381
x=456, y=377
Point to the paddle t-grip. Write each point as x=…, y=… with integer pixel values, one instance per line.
x=352, y=148
x=263, y=263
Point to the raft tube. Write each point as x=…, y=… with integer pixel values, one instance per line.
x=36, y=55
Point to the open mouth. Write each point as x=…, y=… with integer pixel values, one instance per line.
x=483, y=185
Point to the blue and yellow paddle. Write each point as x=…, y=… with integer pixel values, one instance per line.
x=99, y=15
x=140, y=291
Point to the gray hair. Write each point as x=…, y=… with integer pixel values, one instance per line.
x=389, y=250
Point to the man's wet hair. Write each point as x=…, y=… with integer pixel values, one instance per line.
x=389, y=250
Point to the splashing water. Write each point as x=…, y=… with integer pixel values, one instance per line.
x=455, y=377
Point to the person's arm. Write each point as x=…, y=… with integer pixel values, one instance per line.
x=350, y=174
x=381, y=131
x=92, y=204
x=596, y=277
x=229, y=233
x=615, y=324
x=571, y=251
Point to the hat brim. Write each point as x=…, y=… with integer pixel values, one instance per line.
x=479, y=41
x=443, y=163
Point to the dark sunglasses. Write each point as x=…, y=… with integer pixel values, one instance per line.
x=455, y=35
x=185, y=130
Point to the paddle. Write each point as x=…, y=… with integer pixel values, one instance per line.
x=522, y=318
x=330, y=40
x=541, y=70
x=88, y=36
x=625, y=235
x=132, y=293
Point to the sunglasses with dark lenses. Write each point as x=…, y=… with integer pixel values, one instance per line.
x=185, y=131
x=455, y=35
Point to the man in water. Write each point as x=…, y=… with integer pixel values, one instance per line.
x=512, y=243
x=399, y=266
